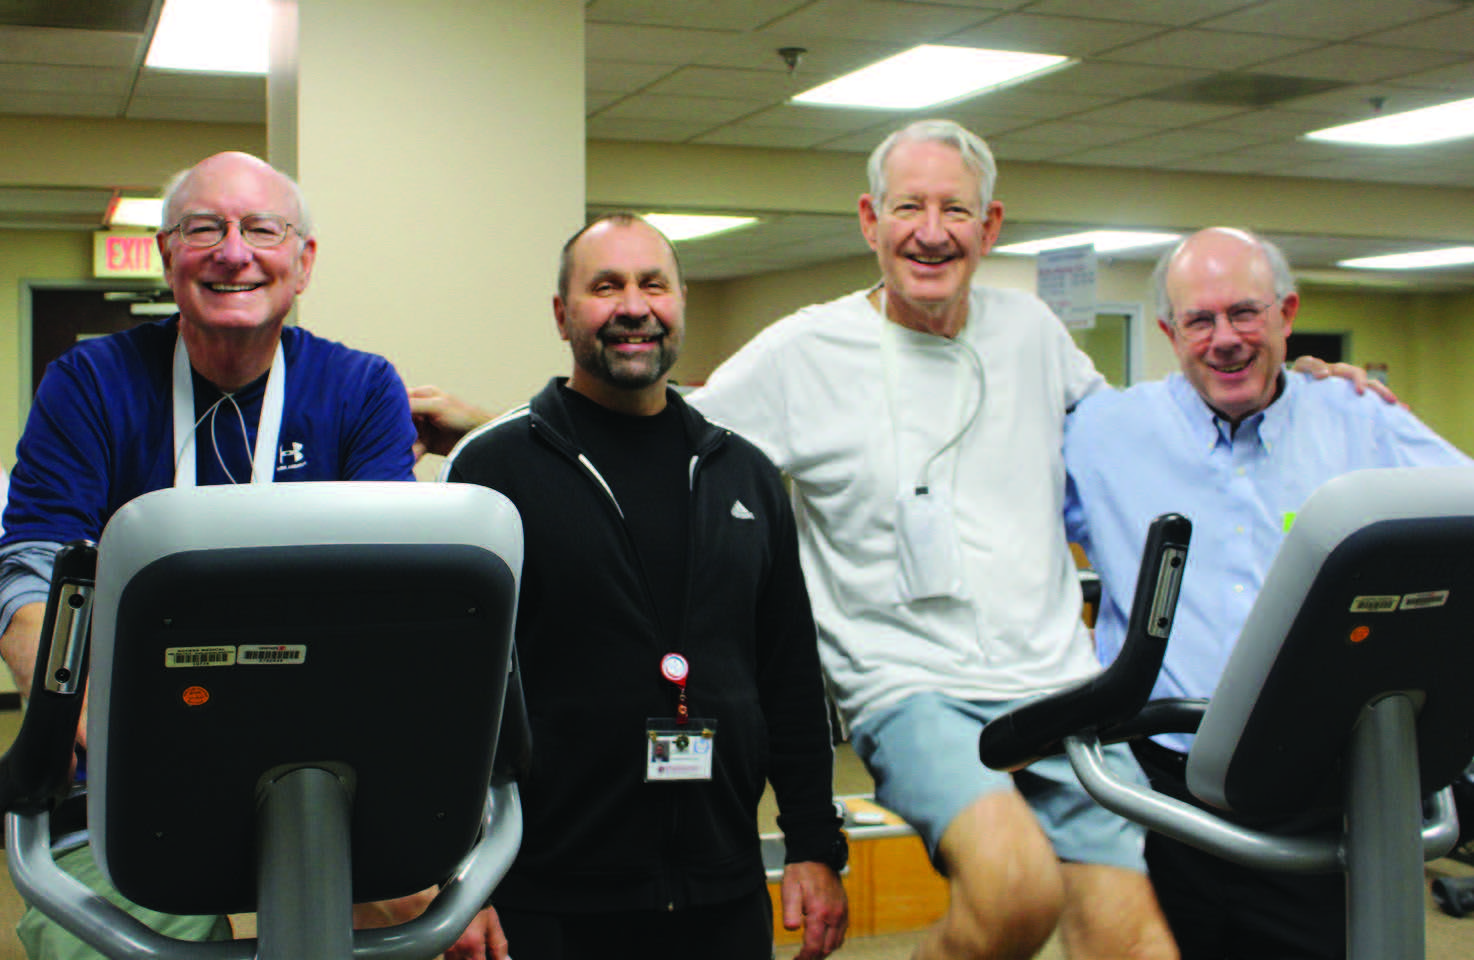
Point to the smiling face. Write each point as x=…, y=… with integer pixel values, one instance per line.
x=929, y=230
x=233, y=286
x=1218, y=271
x=623, y=315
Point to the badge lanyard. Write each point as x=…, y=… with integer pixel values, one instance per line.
x=268, y=430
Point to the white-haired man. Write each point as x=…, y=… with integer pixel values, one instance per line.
x=222, y=393
x=921, y=422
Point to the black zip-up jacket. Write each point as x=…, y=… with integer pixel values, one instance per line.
x=598, y=837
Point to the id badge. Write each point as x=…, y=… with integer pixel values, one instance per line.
x=929, y=551
x=679, y=751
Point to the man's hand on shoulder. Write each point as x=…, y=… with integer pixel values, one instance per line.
x=1360, y=381
x=441, y=419
x=814, y=898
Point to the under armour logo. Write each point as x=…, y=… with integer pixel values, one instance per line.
x=290, y=456
x=741, y=512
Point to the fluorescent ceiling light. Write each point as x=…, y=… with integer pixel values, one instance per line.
x=928, y=75
x=135, y=212
x=212, y=36
x=681, y=226
x=1447, y=121
x=1447, y=257
x=1104, y=241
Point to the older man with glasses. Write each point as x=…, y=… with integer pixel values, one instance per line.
x=221, y=393
x=1236, y=443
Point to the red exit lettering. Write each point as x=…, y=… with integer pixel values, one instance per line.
x=130, y=253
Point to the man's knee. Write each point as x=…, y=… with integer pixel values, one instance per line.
x=1113, y=912
x=1006, y=887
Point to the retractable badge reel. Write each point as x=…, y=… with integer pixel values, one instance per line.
x=679, y=747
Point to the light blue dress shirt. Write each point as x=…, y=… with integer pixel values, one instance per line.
x=1158, y=448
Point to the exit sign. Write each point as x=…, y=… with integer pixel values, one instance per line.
x=125, y=254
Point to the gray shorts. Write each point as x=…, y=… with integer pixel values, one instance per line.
x=923, y=755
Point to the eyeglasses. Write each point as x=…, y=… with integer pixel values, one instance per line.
x=259, y=230
x=1243, y=318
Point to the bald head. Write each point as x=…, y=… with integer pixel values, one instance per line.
x=235, y=166
x=1226, y=300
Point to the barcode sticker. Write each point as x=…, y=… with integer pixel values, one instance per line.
x=272, y=653
x=1375, y=604
x=199, y=657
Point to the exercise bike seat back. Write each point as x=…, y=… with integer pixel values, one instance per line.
x=1368, y=596
x=243, y=632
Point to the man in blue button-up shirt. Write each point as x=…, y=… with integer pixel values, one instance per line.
x=1236, y=443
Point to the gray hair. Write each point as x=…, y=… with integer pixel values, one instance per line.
x=974, y=150
x=622, y=218
x=177, y=183
x=1279, y=268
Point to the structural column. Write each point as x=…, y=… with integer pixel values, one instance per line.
x=441, y=145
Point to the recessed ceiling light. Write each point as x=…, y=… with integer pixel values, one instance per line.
x=1104, y=241
x=212, y=36
x=1447, y=121
x=1446, y=257
x=928, y=75
x=135, y=212
x=682, y=226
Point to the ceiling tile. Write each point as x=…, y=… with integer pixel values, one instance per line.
x=1026, y=101
x=1208, y=49
x=748, y=15
x=1257, y=126
x=830, y=120
x=1358, y=62
x=1454, y=32
x=1329, y=19
x=1157, y=113
x=594, y=102
x=1193, y=142
x=82, y=48
x=904, y=23
x=125, y=16
x=1458, y=79
x=604, y=127
x=1361, y=102
x=1070, y=36
x=726, y=82
x=1114, y=79
x=1075, y=134
x=707, y=110
x=612, y=76
x=1006, y=149
x=1166, y=12
x=755, y=135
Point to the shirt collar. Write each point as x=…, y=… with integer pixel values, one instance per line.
x=1267, y=426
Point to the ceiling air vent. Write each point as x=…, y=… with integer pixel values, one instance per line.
x=1245, y=89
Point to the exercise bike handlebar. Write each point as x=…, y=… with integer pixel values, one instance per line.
x=1037, y=728
x=35, y=772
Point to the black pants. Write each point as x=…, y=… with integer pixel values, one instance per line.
x=1223, y=911
x=740, y=929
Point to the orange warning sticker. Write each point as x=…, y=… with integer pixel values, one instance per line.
x=1358, y=634
x=196, y=696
